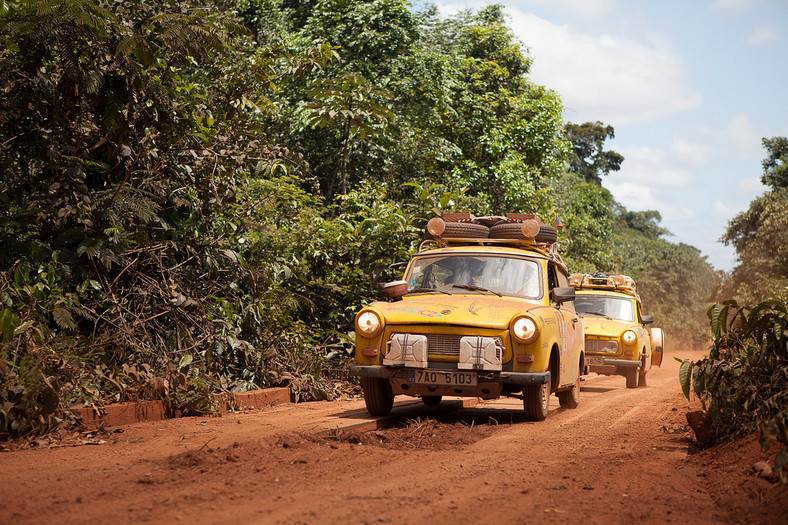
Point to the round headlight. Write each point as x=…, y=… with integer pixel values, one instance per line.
x=368, y=323
x=629, y=337
x=525, y=329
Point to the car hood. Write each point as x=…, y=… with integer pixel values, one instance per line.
x=487, y=311
x=604, y=327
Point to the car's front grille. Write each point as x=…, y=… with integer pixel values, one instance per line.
x=443, y=344
x=606, y=346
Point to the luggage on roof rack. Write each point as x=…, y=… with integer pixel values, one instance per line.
x=519, y=226
x=605, y=281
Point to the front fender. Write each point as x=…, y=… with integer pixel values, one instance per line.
x=534, y=357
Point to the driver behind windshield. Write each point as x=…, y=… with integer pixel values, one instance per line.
x=506, y=275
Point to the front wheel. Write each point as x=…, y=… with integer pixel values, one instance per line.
x=632, y=377
x=536, y=401
x=377, y=395
x=570, y=398
x=642, y=375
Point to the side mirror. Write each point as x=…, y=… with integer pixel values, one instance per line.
x=562, y=294
x=395, y=290
x=647, y=319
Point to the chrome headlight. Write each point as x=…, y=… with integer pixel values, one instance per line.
x=524, y=329
x=368, y=323
x=629, y=337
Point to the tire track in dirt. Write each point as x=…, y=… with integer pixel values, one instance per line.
x=619, y=457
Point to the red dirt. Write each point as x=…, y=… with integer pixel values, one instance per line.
x=621, y=456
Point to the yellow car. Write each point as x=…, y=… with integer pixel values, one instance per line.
x=484, y=310
x=617, y=341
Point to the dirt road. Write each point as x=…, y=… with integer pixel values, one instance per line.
x=622, y=456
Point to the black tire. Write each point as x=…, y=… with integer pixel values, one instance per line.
x=377, y=395
x=513, y=230
x=463, y=230
x=642, y=375
x=632, y=377
x=536, y=401
x=570, y=398
x=431, y=401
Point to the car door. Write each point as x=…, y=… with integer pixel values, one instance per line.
x=570, y=326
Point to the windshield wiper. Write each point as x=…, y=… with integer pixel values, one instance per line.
x=596, y=313
x=423, y=290
x=475, y=288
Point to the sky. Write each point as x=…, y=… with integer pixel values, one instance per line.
x=691, y=87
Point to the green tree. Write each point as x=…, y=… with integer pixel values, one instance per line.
x=463, y=113
x=646, y=222
x=469, y=118
x=760, y=237
x=355, y=107
x=340, y=122
x=588, y=157
x=131, y=136
x=760, y=233
x=370, y=34
x=586, y=211
x=775, y=166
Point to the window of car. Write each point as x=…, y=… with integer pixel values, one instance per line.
x=619, y=308
x=519, y=276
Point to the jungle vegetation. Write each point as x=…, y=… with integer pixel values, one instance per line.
x=198, y=195
x=743, y=382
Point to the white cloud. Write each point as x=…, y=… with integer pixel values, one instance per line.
x=763, y=35
x=639, y=197
x=725, y=211
x=619, y=81
x=721, y=256
x=450, y=8
x=690, y=153
x=742, y=136
x=651, y=167
x=634, y=196
x=581, y=9
x=578, y=8
x=751, y=186
x=733, y=5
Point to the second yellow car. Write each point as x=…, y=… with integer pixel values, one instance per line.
x=617, y=341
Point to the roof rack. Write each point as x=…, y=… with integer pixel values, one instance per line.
x=605, y=281
x=517, y=230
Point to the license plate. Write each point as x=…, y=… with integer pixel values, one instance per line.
x=441, y=378
x=595, y=361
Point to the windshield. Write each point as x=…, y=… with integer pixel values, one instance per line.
x=605, y=306
x=461, y=273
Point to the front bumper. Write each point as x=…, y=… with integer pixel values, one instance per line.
x=622, y=363
x=612, y=366
x=510, y=378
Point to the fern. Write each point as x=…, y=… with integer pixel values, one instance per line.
x=89, y=247
x=63, y=318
